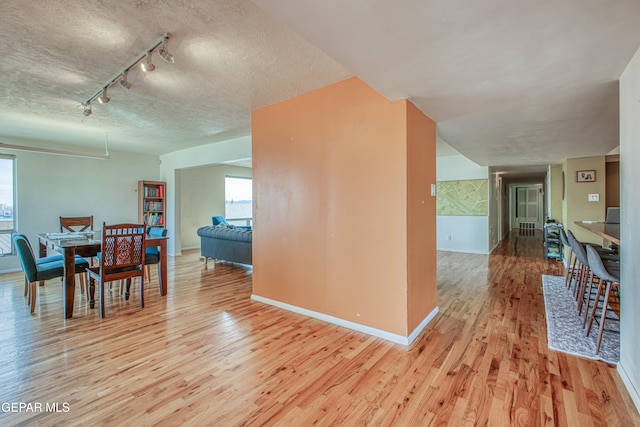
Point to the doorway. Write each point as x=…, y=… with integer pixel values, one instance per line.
x=526, y=207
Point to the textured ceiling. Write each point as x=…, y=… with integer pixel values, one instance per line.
x=230, y=58
x=509, y=82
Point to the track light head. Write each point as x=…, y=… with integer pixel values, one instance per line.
x=124, y=82
x=104, y=98
x=146, y=65
x=87, y=109
x=164, y=53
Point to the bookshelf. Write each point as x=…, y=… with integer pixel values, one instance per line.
x=151, y=203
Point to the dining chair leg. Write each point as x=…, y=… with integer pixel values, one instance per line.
x=102, y=302
x=142, y=291
x=26, y=286
x=159, y=276
x=32, y=296
x=81, y=282
x=127, y=288
x=91, y=291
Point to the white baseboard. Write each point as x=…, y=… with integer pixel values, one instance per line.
x=635, y=396
x=398, y=339
x=463, y=251
x=423, y=324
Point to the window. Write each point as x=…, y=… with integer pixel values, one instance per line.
x=238, y=200
x=7, y=203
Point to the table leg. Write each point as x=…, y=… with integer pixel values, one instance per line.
x=162, y=277
x=69, y=282
x=43, y=253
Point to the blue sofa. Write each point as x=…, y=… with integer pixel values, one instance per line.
x=224, y=243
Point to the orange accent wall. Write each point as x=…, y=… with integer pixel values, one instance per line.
x=421, y=217
x=331, y=207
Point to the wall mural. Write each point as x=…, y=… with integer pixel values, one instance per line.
x=463, y=198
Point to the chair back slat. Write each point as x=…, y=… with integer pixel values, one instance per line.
x=76, y=224
x=122, y=247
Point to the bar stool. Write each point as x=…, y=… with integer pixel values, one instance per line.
x=583, y=269
x=610, y=276
x=585, y=275
x=580, y=253
x=571, y=260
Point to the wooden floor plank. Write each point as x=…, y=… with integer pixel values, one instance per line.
x=206, y=354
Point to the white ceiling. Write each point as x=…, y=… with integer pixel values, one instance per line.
x=509, y=82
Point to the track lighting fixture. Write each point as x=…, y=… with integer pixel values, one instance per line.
x=147, y=66
x=124, y=82
x=144, y=60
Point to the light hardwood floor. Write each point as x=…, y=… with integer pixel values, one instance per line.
x=207, y=355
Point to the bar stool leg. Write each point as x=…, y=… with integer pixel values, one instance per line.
x=581, y=287
x=571, y=271
x=587, y=297
x=605, y=304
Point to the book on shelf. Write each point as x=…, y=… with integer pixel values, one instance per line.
x=154, y=191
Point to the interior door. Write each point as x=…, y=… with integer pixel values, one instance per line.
x=527, y=206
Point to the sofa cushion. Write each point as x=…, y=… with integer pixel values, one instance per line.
x=235, y=234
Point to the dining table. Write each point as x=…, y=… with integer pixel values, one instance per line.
x=608, y=231
x=87, y=245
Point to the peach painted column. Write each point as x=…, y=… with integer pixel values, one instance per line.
x=335, y=171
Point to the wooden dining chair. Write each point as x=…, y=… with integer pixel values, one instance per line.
x=122, y=259
x=76, y=223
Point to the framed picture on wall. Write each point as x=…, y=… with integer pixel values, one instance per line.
x=586, y=176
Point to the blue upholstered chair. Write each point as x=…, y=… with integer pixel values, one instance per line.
x=220, y=220
x=40, y=270
x=152, y=255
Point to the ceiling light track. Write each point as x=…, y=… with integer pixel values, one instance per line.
x=144, y=59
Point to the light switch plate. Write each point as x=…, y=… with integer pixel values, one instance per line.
x=594, y=197
x=433, y=190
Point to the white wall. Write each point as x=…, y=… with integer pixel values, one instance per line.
x=458, y=167
x=49, y=186
x=202, y=192
x=461, y=233
x=171, y=170
x=467, y=233
x=629, y=366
